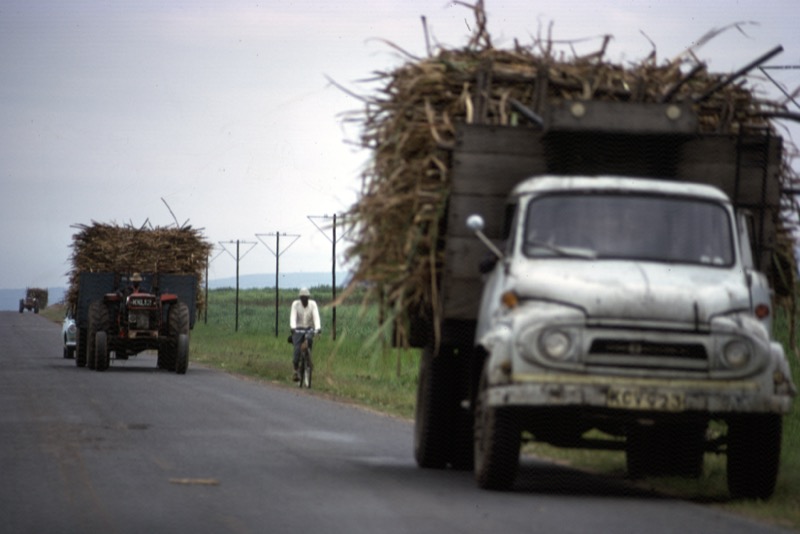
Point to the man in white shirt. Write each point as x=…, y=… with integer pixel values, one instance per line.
x=305, y=314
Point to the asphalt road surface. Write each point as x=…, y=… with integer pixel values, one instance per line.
x=138, y=450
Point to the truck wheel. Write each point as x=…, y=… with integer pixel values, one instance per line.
x=178, y=328
x=432, y=421
x=98, y=320
x=80, y=348
x=754, y=450
x=101, y=351
x=497, y=443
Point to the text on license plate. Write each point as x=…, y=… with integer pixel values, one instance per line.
x=644, y=399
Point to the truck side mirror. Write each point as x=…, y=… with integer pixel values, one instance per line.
x=476, y=224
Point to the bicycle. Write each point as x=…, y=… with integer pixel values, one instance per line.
x=305, y=365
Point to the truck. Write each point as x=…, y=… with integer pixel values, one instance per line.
x=35, y=300
x=124, y=314
x=607, y=282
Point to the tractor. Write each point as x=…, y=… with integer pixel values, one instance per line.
x=128, y=313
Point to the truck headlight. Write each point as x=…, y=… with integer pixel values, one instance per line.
x=555, y=344
x=736, y=354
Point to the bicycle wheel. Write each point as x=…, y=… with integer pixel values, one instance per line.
x=305, y=376
x=301, y=369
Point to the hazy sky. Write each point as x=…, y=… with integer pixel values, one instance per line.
x=222, y=107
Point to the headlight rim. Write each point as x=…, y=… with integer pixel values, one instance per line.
x=729, y=361
x=552, y=339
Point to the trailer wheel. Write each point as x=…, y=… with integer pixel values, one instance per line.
x=101, y=351
x=80, y=348
x=98, y=321
x=178, y=343
x=754, y=450
x=182, y=355
x=497, y=443
x=433, y=421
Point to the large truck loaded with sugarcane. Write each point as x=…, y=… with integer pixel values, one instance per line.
x=134, y=290
x=588, y=256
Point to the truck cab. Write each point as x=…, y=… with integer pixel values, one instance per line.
x=630, y=306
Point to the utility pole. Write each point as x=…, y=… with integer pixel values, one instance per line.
x=333, y=241
x=238, y=258
x=277, y=253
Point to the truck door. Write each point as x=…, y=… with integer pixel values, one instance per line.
x=760, y=292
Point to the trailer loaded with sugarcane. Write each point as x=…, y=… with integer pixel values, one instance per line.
x=134, y=290
x=588, y=255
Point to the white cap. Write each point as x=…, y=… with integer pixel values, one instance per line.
x=304, y=292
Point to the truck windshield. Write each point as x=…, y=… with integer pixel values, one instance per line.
x=629, y=226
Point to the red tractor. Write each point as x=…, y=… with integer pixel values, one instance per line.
x=126, y=314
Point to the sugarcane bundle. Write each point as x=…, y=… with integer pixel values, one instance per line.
x=100, y=247
x=410, y=124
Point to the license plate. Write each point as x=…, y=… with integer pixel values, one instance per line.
x=644, y=399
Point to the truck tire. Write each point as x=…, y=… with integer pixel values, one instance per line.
x=433, y=413
x=98, y=321
x=102, y=356
x=497, y=443
x=80, y=347
x=754, y=450
x=178, y=343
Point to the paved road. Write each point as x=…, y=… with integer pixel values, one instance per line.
x=139, y=450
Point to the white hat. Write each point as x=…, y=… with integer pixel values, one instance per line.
x=304, y=292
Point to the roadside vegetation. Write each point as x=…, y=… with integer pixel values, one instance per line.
x=360, y=366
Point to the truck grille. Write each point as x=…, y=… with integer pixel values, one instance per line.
x=647, y=354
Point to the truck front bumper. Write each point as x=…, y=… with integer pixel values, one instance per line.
x=638, y=394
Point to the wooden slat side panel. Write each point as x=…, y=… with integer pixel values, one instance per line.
x=462, y=300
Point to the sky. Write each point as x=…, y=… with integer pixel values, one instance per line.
x=220, y=113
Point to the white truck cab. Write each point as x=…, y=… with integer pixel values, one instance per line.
x=629, y=305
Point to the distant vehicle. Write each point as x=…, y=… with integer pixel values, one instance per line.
x=69, y=334
x=35, y=300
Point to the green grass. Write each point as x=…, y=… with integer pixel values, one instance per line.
x=357, y=367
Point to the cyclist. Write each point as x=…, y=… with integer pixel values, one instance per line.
x=304, y=314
